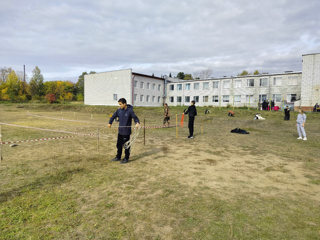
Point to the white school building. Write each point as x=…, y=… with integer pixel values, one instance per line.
x=299, y=88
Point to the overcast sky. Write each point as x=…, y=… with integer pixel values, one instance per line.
x=68, y=37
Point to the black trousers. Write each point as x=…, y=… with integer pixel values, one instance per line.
x=120, y=142
x=191, y=125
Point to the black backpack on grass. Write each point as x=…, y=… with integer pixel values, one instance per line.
x=238, y=130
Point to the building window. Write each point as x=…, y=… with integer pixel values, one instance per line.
x=135, y=83
x=263, y=82
x=159, y=87
x=148, y=98
x=187, y=87
x=135, y=97
x=249, y=99
x=187, y=99
x=179, y=99
x=262, y=97
x=179, y=87
x=237, y=98
x=196, y=98
x=159, y=99
x=215, y=84
x=237, y=84
x=291, y=97
x=250, y=82
x=225, y=98
x=171, y=99
x=141, y=84
x=141, y=98
x=205, y=98
x=215, y=98
x=153, y=98
x=171, y=87
x=276, y=97
x=153, y=86
x=196, y=86
x=115, y=97
x=148, y=85
x=277, y=81
x=205, y=85
x=226, y=84
x=293, y=80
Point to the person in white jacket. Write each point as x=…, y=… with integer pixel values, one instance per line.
x=301, y=120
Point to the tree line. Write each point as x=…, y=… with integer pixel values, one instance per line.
x=14, y=88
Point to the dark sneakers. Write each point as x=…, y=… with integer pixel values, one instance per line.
x=124, y=160
x=190, y=136
x=115, y=159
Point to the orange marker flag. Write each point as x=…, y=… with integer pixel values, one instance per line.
x=182, y=118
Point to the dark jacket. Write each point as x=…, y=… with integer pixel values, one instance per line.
x=192, y=111
x=125, y=119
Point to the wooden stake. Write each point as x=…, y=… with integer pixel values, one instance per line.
x=98, y=140
x=176, y=125
x=144, y=132
x=201, y=127
x=0, y=145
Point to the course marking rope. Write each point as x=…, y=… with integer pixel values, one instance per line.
x=48, y=130
x=36, y=140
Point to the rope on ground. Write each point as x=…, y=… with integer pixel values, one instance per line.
x=133, y=137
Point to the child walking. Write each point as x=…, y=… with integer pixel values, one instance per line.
x=166, y=115
x=301, y=120
x=192, y=111
x=125, y=115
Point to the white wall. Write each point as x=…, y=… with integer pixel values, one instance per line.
x=99, y=88
x=310, y=89
x=155, y=95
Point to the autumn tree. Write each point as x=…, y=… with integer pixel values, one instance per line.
x=36, y=86
x=188, y=77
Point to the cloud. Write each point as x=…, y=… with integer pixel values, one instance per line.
x=65, y=38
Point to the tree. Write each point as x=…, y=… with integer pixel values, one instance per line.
x=50, y=98
x=256, y=72
x=188, y=77
x=244, y=73
x=36, y=86
x=170, y=75
x=203, y=74
x=181, y=75
x=14, y=87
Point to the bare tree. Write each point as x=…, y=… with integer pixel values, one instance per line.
x=203, y=74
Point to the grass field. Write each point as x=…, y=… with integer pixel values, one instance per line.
x=219, y=185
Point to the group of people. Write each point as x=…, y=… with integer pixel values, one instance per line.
x=265, y=105
x=125, y=114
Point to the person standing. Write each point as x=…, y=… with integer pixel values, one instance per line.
x=125, y=114
x=166, y=115
x=192, y=112
x=301, y=120
x=287, y=113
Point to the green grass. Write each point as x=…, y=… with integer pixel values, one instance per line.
x=220, y=185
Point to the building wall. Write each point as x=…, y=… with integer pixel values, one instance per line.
x=106, y=88
x=148, y=91
x=236, y=91
x=310, y=89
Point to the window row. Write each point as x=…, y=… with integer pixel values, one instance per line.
x=235, y=98
x=263, y=82
x=148, y=85
x=147, y=98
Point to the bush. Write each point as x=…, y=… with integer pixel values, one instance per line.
x=51, y=98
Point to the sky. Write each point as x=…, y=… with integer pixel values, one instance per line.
x=68, y=37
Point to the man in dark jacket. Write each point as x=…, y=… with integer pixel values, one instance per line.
x=125, y=114
x=192, y=111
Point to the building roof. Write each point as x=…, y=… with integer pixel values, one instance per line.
x=143, y=75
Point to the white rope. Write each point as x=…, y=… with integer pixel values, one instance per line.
x=133, y=137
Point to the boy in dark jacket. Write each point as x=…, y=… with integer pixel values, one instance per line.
x=125, y=115
x=192, y=111
x=287, y=113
